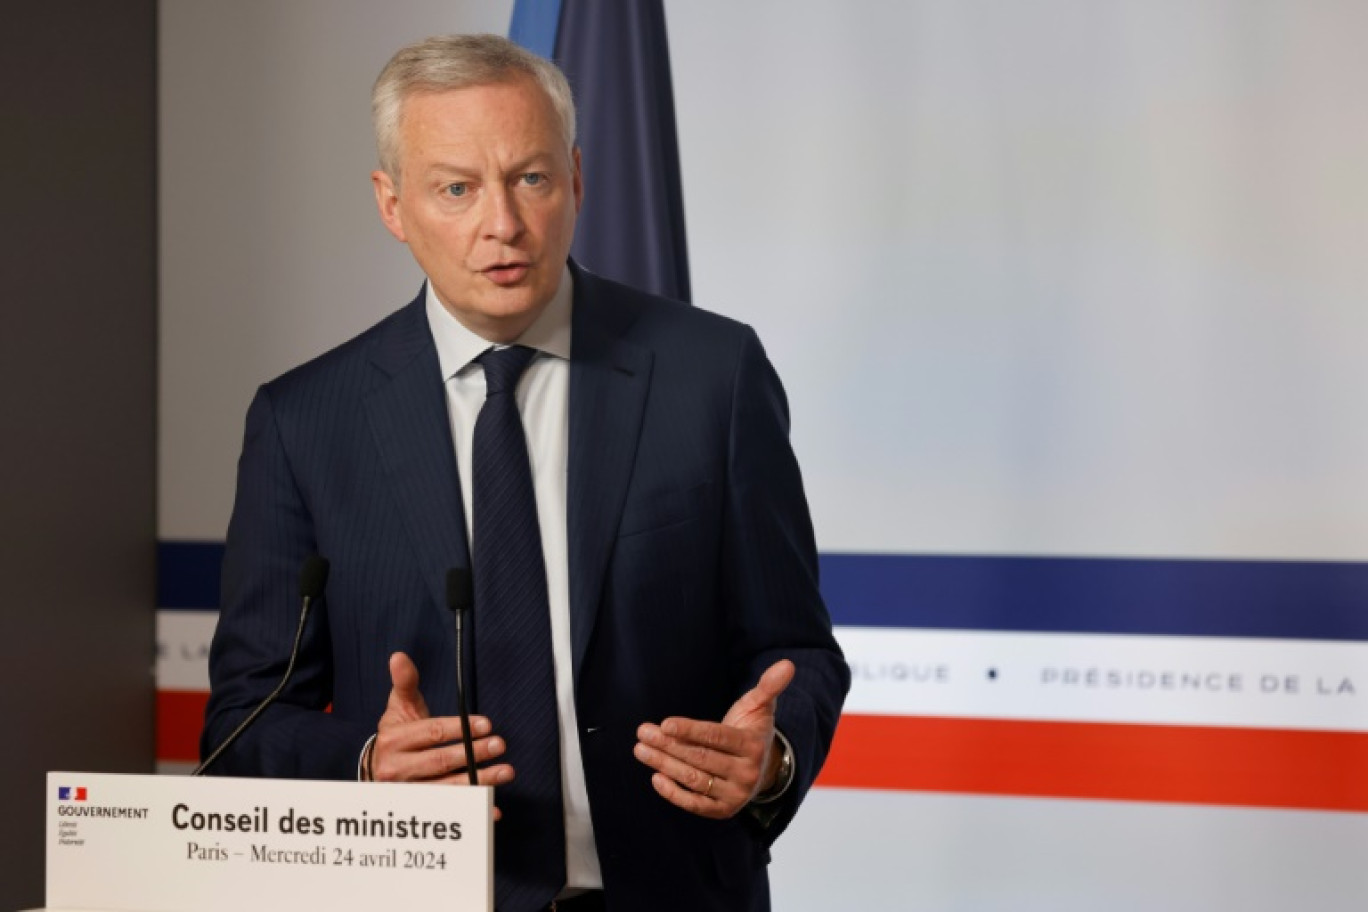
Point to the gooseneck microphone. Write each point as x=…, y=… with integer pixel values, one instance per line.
x=313, y=577
x=460, y=597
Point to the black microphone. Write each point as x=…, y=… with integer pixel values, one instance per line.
x=460, y=596
x=313, y=577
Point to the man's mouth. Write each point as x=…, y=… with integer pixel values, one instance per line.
x=507, y=273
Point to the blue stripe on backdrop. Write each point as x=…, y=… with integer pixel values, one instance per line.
x=1280, y=599
x=617, y=58
x=534, y=25
x=1227, y=598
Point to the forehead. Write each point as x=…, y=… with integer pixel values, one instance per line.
x=516, y=112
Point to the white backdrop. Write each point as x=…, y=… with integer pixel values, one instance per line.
x=1052, y=277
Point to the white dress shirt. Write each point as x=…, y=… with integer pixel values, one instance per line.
x=544, y=402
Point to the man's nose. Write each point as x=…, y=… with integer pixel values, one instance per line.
x=502, y=221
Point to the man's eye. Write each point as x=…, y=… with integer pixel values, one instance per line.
x=457, y=190
x=534, y=179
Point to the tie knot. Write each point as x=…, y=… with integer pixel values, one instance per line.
x=503, y=367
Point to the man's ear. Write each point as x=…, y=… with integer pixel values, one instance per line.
x=387, y=201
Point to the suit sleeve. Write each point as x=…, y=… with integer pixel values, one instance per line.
x=770, y=577
x=269, y=537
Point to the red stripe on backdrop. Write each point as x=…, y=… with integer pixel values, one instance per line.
x=180, y=716
x=1169, y=763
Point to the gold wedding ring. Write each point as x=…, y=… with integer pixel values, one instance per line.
x=707, y=791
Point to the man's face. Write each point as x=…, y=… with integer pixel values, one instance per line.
x=487, y=201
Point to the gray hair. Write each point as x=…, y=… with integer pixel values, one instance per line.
x=446, y=62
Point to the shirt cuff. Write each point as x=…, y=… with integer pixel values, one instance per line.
x=361, y=763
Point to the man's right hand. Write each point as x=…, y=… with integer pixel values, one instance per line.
x=413, y=746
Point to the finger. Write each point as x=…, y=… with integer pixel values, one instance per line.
x=710, y=781
x=431, y=764
x=499, y=774
x=491, y=776
x=692, y=802
x=758, y=702
x=451, y=759
x=405, y=700
x=691, y=764
x=436, y=731
x=776, y=679
x=678, y=735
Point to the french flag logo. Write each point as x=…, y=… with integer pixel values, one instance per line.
x=68, y=793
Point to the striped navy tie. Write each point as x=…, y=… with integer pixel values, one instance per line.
x=515, y=676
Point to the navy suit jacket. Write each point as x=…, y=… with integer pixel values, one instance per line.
x=692, y=569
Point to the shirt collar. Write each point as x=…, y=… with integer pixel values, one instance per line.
x=458, y=346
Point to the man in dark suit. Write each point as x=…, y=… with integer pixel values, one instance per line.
x=691, y=682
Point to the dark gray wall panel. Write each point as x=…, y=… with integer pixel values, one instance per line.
x=77, y=399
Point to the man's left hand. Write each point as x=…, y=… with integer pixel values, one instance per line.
x=714, y=769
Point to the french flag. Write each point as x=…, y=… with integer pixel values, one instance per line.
x=68, y=793
x=617, y=58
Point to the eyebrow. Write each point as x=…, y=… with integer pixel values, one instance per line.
x=447, y=169
x=443, y=169
x=536, y=159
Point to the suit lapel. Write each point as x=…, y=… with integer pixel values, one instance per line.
x=609, y=378
x=408, y=416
